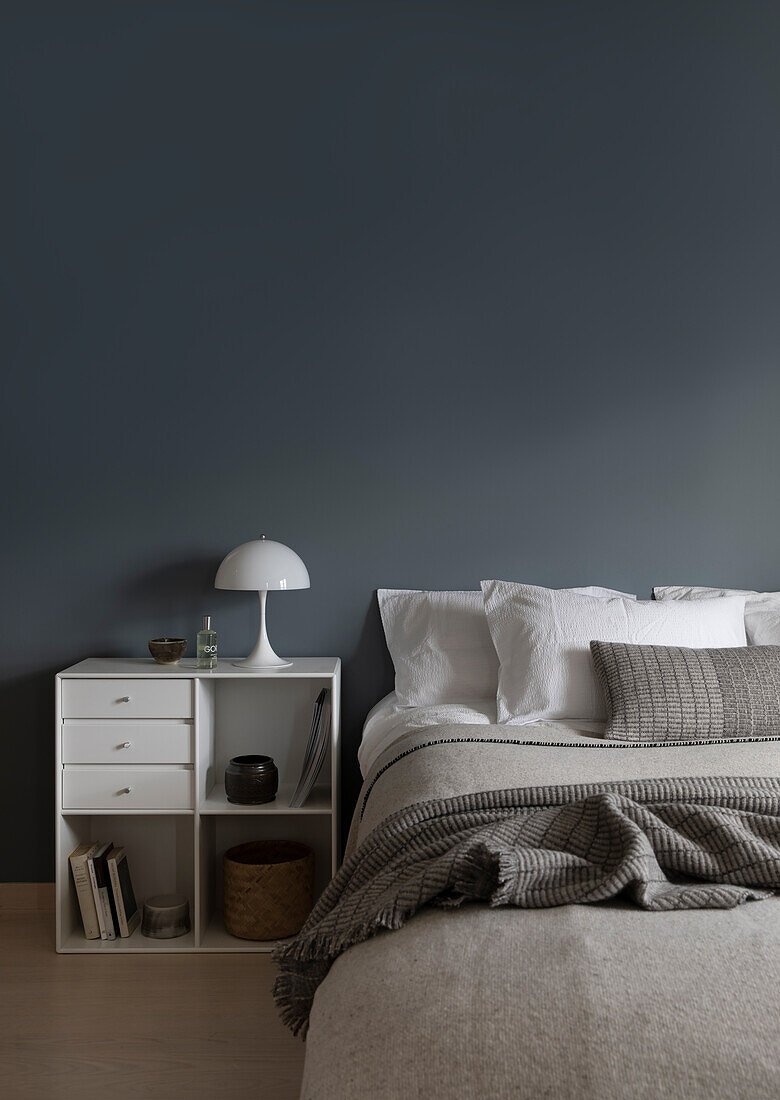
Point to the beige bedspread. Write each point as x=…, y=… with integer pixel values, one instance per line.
x=583, y=1001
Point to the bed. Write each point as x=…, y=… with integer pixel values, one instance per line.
x=661, y=985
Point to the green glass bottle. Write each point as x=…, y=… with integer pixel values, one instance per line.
x=207, y=645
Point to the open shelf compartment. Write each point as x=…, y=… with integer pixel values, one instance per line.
x=269, y=717
x=218, y=833
x=161, y=857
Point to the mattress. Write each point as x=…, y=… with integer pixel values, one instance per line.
x=388, y=722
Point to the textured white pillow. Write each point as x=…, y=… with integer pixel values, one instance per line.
x=762, y=609
x=542, y=638
x=441, y=646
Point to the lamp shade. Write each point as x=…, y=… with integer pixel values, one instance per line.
x=262, y=566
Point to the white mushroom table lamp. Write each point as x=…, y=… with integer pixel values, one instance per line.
x=262, y=566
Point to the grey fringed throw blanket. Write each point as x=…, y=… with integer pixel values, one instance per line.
x=666, y=844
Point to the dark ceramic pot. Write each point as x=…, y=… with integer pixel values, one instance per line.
x=250, y=780
x=167, y=651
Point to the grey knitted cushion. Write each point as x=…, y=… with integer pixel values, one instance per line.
x=668, y=693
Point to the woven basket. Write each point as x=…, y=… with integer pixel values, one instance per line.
x=268, y=888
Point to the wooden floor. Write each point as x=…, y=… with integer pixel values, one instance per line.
x=153, y=1026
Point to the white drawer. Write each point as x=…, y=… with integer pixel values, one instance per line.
x=111, y=787
x=127, y=698
x=101, y=742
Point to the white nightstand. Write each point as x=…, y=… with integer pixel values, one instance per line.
x=141, y=752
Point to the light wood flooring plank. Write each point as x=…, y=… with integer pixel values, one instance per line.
x=163, y=1027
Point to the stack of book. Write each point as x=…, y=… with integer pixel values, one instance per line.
x=104, y=891
x=316, y=749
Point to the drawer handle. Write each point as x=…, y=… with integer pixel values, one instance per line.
x=126, y=745
x=124, y=699
x=126, y=790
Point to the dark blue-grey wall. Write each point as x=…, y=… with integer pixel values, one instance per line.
x=430, y=291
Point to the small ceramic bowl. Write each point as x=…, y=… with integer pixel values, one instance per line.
x=165, y=916
x=167, y=651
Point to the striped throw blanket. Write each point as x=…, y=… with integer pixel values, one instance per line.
x=665, y=844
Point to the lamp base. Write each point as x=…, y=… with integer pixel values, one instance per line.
x=280, y=663
x=262, y=656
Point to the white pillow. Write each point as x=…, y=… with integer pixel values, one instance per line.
x=441, y=646
x=542, y=638
x=762, y=609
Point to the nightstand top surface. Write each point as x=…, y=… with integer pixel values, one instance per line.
x=145, y=667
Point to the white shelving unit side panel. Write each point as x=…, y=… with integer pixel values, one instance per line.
x=335, y=769
x=62, y=901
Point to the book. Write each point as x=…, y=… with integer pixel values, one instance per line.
x=310, y=752
x=316, y=749
x=86, y=899
x=311, y=742
x=101, y=890
x=127, y=915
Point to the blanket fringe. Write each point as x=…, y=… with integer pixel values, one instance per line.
x=306, y=962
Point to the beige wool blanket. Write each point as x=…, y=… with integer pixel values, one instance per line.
x=605, y=999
